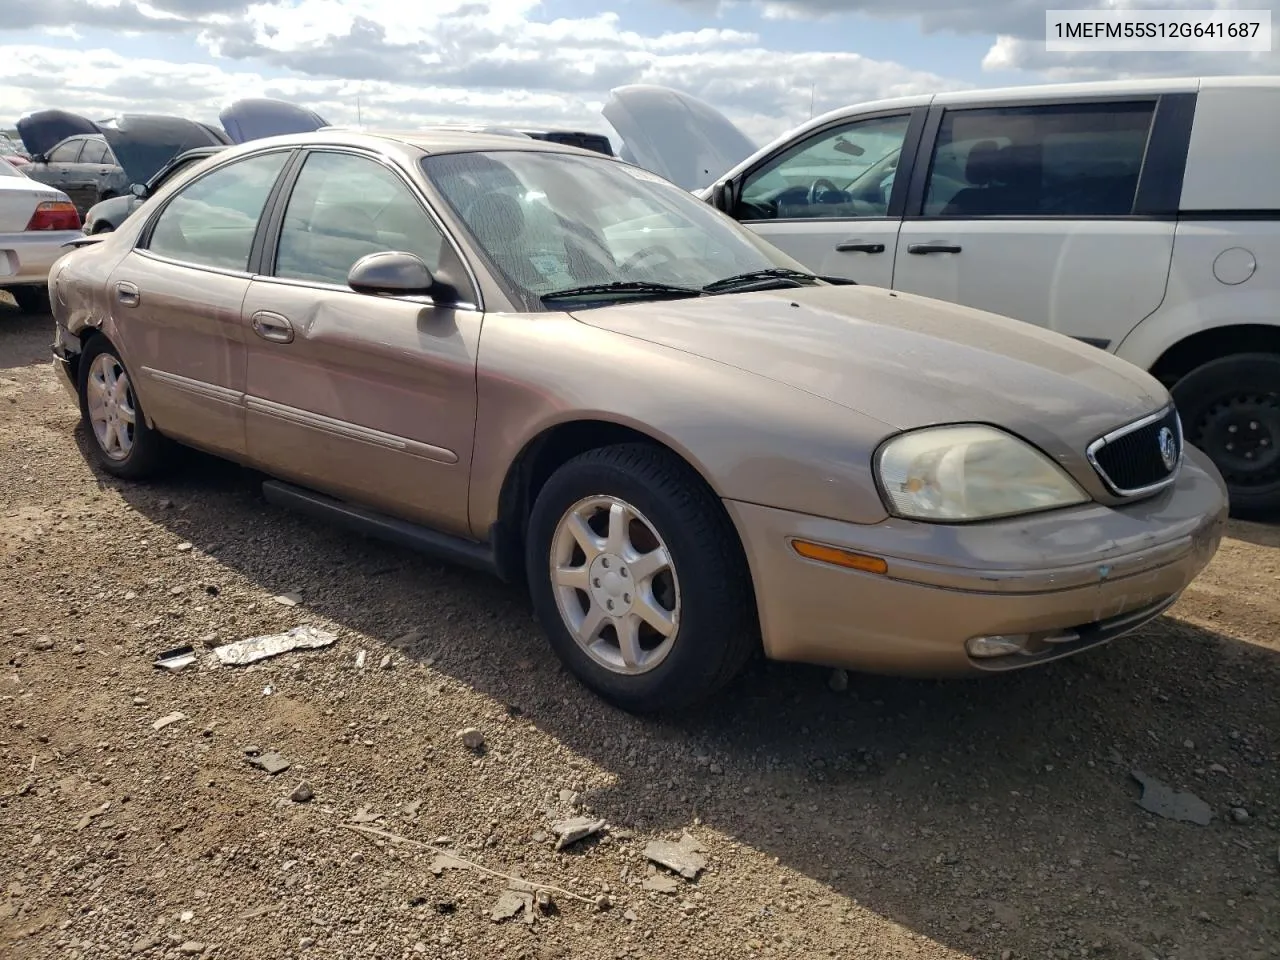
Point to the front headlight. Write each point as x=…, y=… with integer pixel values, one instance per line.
x=970, y=472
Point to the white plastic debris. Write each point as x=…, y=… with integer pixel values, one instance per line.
x=259, y=648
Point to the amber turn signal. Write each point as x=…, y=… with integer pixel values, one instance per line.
x=840, y=558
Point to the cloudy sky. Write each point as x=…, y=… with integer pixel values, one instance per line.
x=548, y=63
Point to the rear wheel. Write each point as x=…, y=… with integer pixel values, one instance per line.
x=639, y=580
x=32, y=298
x=122, y=442
x=1230, y=409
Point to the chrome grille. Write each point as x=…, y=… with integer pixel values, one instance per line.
x=1142, y=457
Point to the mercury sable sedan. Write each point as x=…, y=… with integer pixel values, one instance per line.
x=555, y=366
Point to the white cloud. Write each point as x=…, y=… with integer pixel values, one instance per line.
x=448, y=60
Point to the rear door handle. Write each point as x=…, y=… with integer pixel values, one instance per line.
x=272, y=326
x=859, y=246
x=933, y=248
x=127, y=294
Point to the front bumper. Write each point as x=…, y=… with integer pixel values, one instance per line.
x=66, y=361
x=1067, y=580
x=26, y=258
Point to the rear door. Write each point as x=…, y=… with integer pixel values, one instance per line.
x=834, y=199
x=59, y=168
x=369, y=398
x=176, y=300
x=95, y=165
x=1044, y=211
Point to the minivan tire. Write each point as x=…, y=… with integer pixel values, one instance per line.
x=716, y=623
x=1230, y=409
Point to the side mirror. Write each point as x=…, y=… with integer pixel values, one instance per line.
x=393, y=273
x=39, y=158
x=724, y=196
x=139, y=190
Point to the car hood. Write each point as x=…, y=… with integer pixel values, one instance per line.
x=43, y=130
x=903, y=360
x=675, y=135
x=256, y=117
x=145, y=142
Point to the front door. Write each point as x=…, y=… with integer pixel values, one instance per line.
x=368, y=398
x=176, y=301
x=828, y=200
x=1027, y=211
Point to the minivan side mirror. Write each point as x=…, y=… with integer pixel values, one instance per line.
x=39, y=158
x=724, y=196
x=395, y=273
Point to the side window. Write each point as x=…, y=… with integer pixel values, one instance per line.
x=841, y=173
x=95, y=151
x=66, y=152
x=212, y=221
x=344, y=207
x=1056, y=160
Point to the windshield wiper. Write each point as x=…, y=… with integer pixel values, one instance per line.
x=624, y=287
x=784, y=275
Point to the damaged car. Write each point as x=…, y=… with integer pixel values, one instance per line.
x=36, y=223
x=564, y=370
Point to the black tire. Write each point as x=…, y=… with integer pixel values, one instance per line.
x=1240, y=392
x=32, y=298
x=718, y=628
x=102, y=226
x=146, y=456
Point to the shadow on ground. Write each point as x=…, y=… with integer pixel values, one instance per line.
x=963, y=810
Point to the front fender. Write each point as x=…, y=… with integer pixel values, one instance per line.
x=752, y=439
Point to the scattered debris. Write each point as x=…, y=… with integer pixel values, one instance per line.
x=272, y=762
x=660, y=883
x=575, y=829
x=685, y=858
x=92, y=815
x=411, y=808
x=302, y=793
x=1161, y=799
x=386, y=663
x=838, y=681
x=168, y=719
x=176, y=659
x=363, y=815
x=446, y=861
x=259, y=912
x=360, y=658
x=471, y=738
x=512, y=903
x=259, y=648
x=288, y=599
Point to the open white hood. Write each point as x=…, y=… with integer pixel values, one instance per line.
x=675, y=135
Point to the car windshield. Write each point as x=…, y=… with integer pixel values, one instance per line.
x=554, y=222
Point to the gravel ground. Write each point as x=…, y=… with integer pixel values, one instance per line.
x=991, y=819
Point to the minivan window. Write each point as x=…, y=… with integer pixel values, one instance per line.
x=842, y=173
x=95, y=151
x=211, y=222
x=1053, y=160
x=66, y=152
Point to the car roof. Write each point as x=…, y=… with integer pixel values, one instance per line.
x=424, y=139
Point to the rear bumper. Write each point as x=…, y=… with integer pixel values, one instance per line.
x=26, y=258
x=1065, y=581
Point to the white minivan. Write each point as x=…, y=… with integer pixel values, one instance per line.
x=1142, y=217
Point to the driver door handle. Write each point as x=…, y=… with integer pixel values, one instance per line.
x=933, y=248
x=272, y=326
x=127, y=294
x=859, y=246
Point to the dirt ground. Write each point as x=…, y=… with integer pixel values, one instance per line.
x=990, y=819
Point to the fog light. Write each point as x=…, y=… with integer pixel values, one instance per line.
x=1002, y=645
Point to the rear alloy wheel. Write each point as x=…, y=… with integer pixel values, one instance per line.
x=638, y=578
x=1230, y=409
x=32, y=298
x=123, y=443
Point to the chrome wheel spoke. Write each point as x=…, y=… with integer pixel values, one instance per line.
x=651, y=612
x=618, y=540
x=586, y=538
x=592, y=623
x=628, y=628
x=648, y=565
x=576, y=578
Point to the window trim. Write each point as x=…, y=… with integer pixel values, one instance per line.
x=916, y=120
x=141, y=243
x=102, y=161
x=79, y=140
x=273, y=224
x=914, y=211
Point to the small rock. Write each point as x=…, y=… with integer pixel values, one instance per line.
x=360, y=658
x=288, y=599
x=471, y=738
x=42, y=644
x=302, y=793
x=168, y=719
x=1006, y=955
x=1161, y=799
x=661, y=883
x=685, y=858
x=306, y=943
x=603, y=902
x=184, y=547
x=575, y=829
x=139, y=701
x=1217, y=768
x=78, y=650
x=630, y=916
x=511, y=903
x=1239, y=815
x=838, y=681
x=272, y=762
x=20, y=631
x=191, y=948
x=386, y=663
x=187, y=916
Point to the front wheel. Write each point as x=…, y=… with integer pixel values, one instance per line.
x=122, y=443
x=1230, y=409
x=639, y=580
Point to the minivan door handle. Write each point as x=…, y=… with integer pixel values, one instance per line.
x=127, y=294
x=272, y=326
x=859, y=246
x=933, y=248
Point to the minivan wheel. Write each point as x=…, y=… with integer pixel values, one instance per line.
x=122, y=442
x=1230, y=409
x=639, y=580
